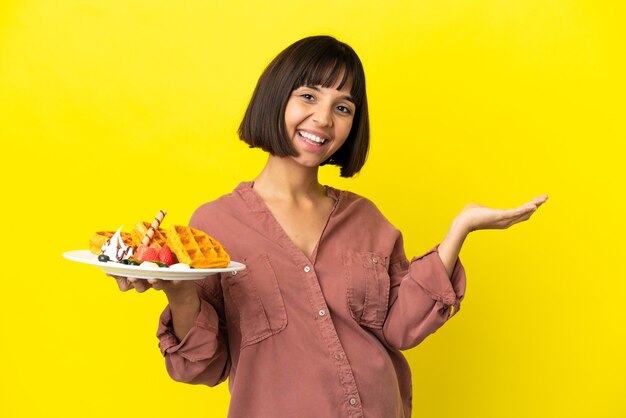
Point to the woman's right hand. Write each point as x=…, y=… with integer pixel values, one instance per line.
x=174, y=289
x=127, y=283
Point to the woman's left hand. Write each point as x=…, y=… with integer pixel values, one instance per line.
x=474, y=217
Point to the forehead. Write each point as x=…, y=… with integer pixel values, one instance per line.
x=326, y=74
x=343, y=73
x=343, y=83
x=333, y=77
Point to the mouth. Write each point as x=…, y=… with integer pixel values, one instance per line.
x=312, y=139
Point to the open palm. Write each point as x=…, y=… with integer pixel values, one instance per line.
x=477, y=217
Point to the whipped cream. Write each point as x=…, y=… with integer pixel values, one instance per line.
x=115, y=248
x=180, y=266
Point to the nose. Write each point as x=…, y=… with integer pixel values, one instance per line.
x=323, y=116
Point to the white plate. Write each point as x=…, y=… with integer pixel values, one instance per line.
x=118, y=269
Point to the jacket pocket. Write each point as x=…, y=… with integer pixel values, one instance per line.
x=367, y=282
x=257, y=300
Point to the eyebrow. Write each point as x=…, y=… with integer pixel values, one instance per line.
x=344, y=97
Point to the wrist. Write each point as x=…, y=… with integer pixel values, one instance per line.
x=183, y=297
x=188, y=308
x=460, y=226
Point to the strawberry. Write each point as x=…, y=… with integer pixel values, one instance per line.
x=140, y=252
x=166, y=256
x=150, y=254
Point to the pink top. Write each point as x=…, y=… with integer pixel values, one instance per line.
x=319, y=337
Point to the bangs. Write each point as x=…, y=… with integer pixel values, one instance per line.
x=330, y=68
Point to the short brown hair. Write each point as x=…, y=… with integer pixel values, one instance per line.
x=312, y=61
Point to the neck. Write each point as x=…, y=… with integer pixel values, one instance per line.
x=282, y=178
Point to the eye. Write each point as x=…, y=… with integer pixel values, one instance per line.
x=344, y=109
x=307, y=96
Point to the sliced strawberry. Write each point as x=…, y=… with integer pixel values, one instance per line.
x=151, y=254
x=166, y=256
x=140, y=252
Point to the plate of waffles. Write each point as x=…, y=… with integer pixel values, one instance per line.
x=150, y=252
x=140, y=272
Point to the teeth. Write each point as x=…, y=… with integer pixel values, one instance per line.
x=312, y=137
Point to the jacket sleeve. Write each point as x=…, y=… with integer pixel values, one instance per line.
x=202, y=356
x=421, y=297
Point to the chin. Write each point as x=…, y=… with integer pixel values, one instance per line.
x=307, y=162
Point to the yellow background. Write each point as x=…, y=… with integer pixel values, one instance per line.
x=111, y=110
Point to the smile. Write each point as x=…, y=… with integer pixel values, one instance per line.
x=312, y=138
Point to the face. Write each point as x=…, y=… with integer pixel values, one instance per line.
x=318, y=121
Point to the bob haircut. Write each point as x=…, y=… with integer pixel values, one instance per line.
x=312, y=61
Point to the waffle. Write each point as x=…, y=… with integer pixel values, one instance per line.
x=196, y=248
x=158, y=239
x=98, y=239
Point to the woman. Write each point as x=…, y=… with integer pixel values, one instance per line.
x=315, y=324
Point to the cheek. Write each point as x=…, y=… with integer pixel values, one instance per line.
x=293, y=115
x=346, y=127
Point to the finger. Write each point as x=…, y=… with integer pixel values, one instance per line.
x=140, y=285
x=538, y=201
x=541, y=200
x=533, y=205
x=122, y=283
x=156, y=284
x=515, y=213
x=521, y=218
